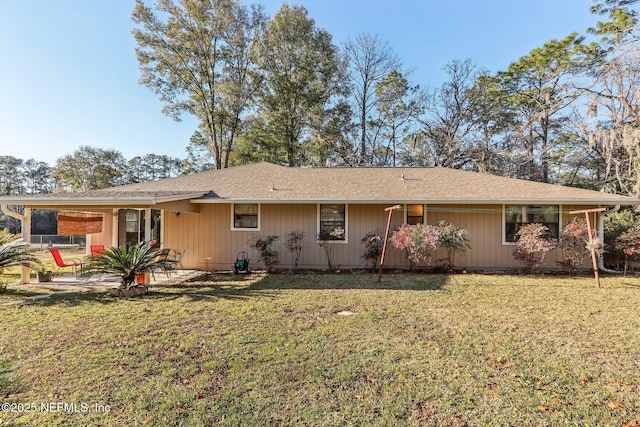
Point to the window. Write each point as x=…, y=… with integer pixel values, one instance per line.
x=245, y=216
x=415, y=214
x=515, y=216
x=333, y=221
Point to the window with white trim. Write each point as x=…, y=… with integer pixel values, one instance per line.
x=246, y=216
x=516, y=216
x=332, y=222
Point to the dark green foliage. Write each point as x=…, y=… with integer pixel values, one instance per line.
x=373, y=243
x=126, y=263
x=14, y=251
x=266, y=253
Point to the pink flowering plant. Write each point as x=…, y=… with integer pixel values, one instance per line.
x=454, y=239
x=573, y=242
x=533, y=243
x=417, y=241
x=629, y=243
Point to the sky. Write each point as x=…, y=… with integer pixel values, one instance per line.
x=69, y=75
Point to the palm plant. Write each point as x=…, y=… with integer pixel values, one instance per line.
x=126, y=263
x=14, y=252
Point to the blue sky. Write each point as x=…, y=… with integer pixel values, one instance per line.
x=69, y=76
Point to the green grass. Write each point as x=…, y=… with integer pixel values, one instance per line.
x=273, y=350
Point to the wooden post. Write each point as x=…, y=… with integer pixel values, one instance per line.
x=390, y=209
x=586, y=213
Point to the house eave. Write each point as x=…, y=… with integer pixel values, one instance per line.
x=56, y=202
x=426, y=200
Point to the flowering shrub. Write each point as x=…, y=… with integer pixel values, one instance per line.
x=294, y=245
x=575, y=235
x=532, y=245
x=629, y=243
x=266, y=253
x=454, y=239
x=372, y=248
x=417, y=241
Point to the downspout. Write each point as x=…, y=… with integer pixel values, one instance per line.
x=25, y=222
x=601, y=266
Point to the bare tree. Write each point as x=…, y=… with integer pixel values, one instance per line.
x=613, y=127
x=369, y=60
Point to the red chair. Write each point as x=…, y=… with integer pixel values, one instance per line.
x=97, y=250
x=74, y=263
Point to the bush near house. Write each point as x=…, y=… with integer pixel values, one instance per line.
x=532, y=245
x=454, y=239
x=266, y=252
x=418, y=241
x=573, y=242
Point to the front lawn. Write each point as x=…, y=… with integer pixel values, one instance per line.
x=331, y=350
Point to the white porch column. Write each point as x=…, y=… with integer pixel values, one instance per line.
x=25, y=272
x=114, y=227
x=147, y=225
x=25, y=229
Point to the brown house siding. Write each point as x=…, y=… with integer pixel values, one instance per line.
x=212, y=243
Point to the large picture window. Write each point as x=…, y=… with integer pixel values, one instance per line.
x=333, y=222
x=246, y=216
x=516, y=216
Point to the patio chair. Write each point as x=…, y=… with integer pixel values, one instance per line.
x=167, y=264
x=96, y=250
x=177, y=259
x=73, y=263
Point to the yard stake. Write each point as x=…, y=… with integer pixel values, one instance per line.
x=586, y=213
x=390, y=209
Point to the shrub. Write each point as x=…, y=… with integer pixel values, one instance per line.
x=126, y=263
x=418, y=241
x=266, y=253
x=373, y=243
x=454, y=239
x=294, y=245
x=616, y=223
x=573, y=243
x=532, y=245
x=324, y=238
x=14, y=252
x=628, y=243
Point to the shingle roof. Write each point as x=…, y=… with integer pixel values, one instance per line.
x=265, y=182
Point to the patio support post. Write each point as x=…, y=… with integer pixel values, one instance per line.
x=114, y=227
x=390, y=209
x=25, y=230
x=25, y=272
x=147, y=225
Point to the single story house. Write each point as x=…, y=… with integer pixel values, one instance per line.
x=217, y=213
